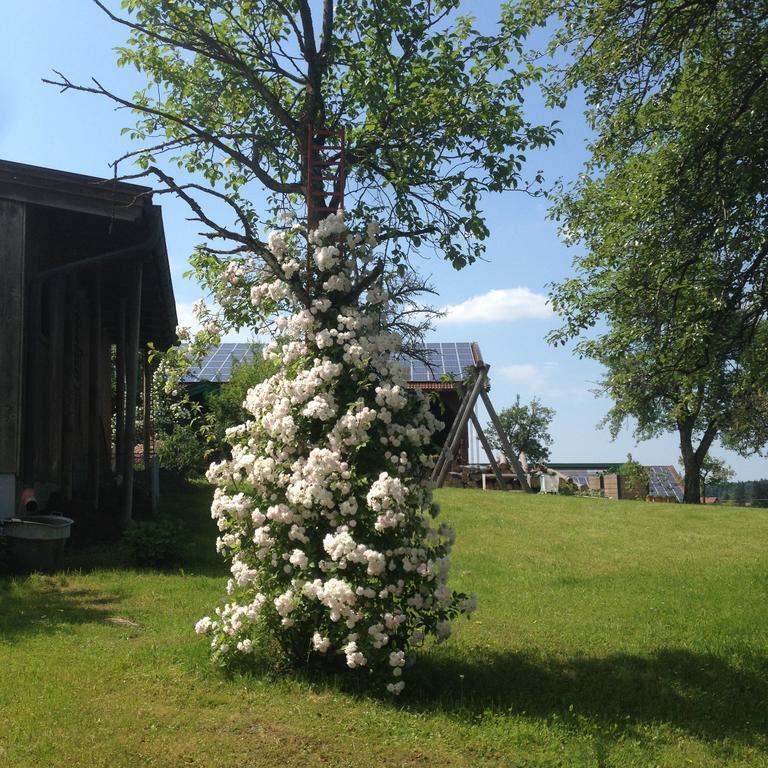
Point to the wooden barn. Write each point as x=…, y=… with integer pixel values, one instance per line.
x=84, y=286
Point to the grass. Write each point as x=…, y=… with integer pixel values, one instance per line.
x=609, y=634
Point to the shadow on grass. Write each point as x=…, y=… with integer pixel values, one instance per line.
x=42, y=605
x=700, y=693
x=98, y=547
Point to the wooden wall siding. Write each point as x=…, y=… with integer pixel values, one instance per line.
x=12, y=230
x=611, y=486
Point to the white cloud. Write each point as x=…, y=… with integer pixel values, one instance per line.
x=526, y=373
x=545, y=380
x=498, y=305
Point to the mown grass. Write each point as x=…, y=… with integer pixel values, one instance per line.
x=608, y=634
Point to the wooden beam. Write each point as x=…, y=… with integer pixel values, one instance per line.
x=120, y=390
x=482, y=372
x=511, y=455
x=69, y=394
x=94, y=394
x=12, y=250
x=486, y=445
x=444, y=451
x=147, y=407
x=133, y=326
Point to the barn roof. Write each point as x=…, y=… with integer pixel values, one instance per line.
x=101, y=222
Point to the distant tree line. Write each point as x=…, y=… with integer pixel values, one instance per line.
x=752, y=493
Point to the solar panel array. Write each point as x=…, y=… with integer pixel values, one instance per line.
x=662, y=482
x=581, y=476
x=217, y=365
x=439, y=359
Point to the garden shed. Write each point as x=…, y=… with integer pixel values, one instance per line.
x=84, y=286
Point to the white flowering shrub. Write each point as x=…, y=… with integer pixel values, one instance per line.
x=325, y=509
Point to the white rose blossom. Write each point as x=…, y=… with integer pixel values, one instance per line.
x=324, y=508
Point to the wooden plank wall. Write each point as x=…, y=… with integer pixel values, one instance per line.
x=12, y=244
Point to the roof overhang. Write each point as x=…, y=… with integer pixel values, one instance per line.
x=118, y=206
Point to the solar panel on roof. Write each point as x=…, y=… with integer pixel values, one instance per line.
x=439, y=359
x=217, y=365
x=435, y=360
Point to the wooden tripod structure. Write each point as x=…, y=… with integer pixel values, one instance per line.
x=469, y=398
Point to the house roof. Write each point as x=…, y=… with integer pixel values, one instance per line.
x=434, y=368
x=72, y=191
x=100, y=222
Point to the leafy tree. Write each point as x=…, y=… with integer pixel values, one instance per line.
x=740, y=494
x=714, y=472
x=635, y=476
x=526, y=428
x=225, y=405
x=760, y=493
x=237, y=88
x=670, y=293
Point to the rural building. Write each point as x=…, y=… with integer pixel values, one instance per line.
x=436, y=369
x=84, y=286
x=664, y=482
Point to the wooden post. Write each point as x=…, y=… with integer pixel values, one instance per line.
x=444, y=451
x=511, y=455
x=120, y=390
x=94, y=395
x=479, y=383
x=154, y=485
x=68, y=399
x=133, y=326
x=147, y=405
x=486, y=446
x=12, y=310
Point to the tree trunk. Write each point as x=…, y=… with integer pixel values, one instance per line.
x=693, y=459
x=691, y=466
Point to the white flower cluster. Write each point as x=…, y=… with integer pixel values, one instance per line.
x=324, y=509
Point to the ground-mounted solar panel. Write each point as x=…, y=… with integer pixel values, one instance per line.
x=663, y=483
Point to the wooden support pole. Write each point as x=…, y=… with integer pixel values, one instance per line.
x=486, y=445
x=94, y=395
x=120, y=390
x=445, y=450
x=511, y=455
x=133, y=326
x=13, y=403
x=147, y=408
x=476, y=389
x=68, y=394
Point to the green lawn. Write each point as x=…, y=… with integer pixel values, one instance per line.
x=608, y=634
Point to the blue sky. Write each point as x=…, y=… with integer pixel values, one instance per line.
x=499, y=302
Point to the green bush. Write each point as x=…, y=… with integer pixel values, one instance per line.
x=182, y=451
x=225, y=405
x=157, y=542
